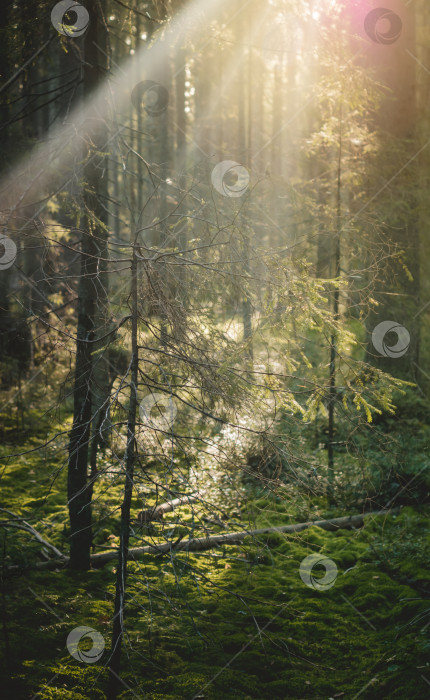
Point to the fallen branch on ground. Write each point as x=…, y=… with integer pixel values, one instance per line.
x=22, y=524
x=157, y=513
x=200, y=544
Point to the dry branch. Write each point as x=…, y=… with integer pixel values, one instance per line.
x=200, y=544
x=157, y=513
x=22, y=524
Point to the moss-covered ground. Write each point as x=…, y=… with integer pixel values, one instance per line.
x=237, y=622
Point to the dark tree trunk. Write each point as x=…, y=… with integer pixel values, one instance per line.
x=6, y=71
x=333, y=339
x=118, y=625
x=92, y=247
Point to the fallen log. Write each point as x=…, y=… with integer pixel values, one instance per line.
x=157, y=513
x=200, y=544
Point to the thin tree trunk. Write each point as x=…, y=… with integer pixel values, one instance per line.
x=123, y=553
x=333, y=342
x=245, y=158
x=101, y=427
x=181, y=155
x=277, y=140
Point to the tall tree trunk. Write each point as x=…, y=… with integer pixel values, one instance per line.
x=79, y=489
x=165, y=161
x=118, y=626
x=6, y=71
x=333, y=341
x=181, y=154
x=277, y=137
x=245, y=159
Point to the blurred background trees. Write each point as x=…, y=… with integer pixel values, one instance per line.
x=263, y=278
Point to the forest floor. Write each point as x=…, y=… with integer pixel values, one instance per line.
x=236, y=622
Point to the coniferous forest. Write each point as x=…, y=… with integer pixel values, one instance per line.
x=215, y=349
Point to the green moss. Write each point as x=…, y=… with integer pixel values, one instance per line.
x=245, y=614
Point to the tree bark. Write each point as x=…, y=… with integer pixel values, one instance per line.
x=79, y=489
x=333, y=340
x=123, y=552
